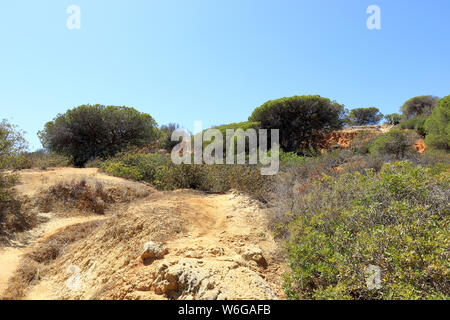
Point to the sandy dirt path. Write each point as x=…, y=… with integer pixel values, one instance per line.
x=30, y=183
x=10, y=255
x=228, y=223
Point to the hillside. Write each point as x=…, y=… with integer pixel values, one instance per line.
x=210, y=246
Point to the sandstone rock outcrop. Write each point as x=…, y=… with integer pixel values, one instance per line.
x=153, y=250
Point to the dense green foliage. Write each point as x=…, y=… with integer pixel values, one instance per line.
x=160, y=171
x=91, y=131
x=165, y=140
x=41, y=159
x=393, y=118
x=362, y=142
x=154, y=168
x=302, y=120
x=397, y=220
x=417, y=124
x=421, y=106
x=239, y=125
x=438, y=125
x=395, y=142
x=365, y=116
x=12, y=218
x=6, y=182
x=234, y=126
x=12, y=144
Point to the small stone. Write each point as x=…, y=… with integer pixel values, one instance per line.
x=216, y=251
x=254, y=253
x=153, y=250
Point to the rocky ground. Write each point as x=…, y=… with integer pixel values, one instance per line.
x=181, y=244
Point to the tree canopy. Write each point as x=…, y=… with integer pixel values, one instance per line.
x=393, y=118
x=302, y=120
x=91, y=131
x=166, y=131
x=438, y=125
x=365, y=116
x=419, y=106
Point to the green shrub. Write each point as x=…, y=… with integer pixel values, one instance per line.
x=233, y=126
x=159, y=170
x=12, y=144
x=222, y=178
x=21, y=162
x=302, y=120
x=6, y=182
x=165, y=140
x=288, y=158
x=396, y=142
x=94, y=163
x=438, y=126
x=12, y=216
x=362, y=142
x=397, y=220
x=417, y=124
x=154, y=168
x=39, y=159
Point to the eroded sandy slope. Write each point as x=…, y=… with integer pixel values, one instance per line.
x=217, y=247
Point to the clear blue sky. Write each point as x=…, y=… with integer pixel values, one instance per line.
x=215, y=61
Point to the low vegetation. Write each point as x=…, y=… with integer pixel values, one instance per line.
x=378, y=205
x=76, y=194
x=396, y=219
x=12, y=144
x=40, y=159
x=86, y=196
x=398, y=143
x=159, y=170
x=438, y=126
x=12, y=216
x=416, y=124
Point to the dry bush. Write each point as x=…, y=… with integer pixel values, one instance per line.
x=159, y=170
x=222, y=178
x=39, y=159
x=27, y=274
x=55, y=245
x=362, y=141
x=13, y=216
x=76, y=194
x=297, y=177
